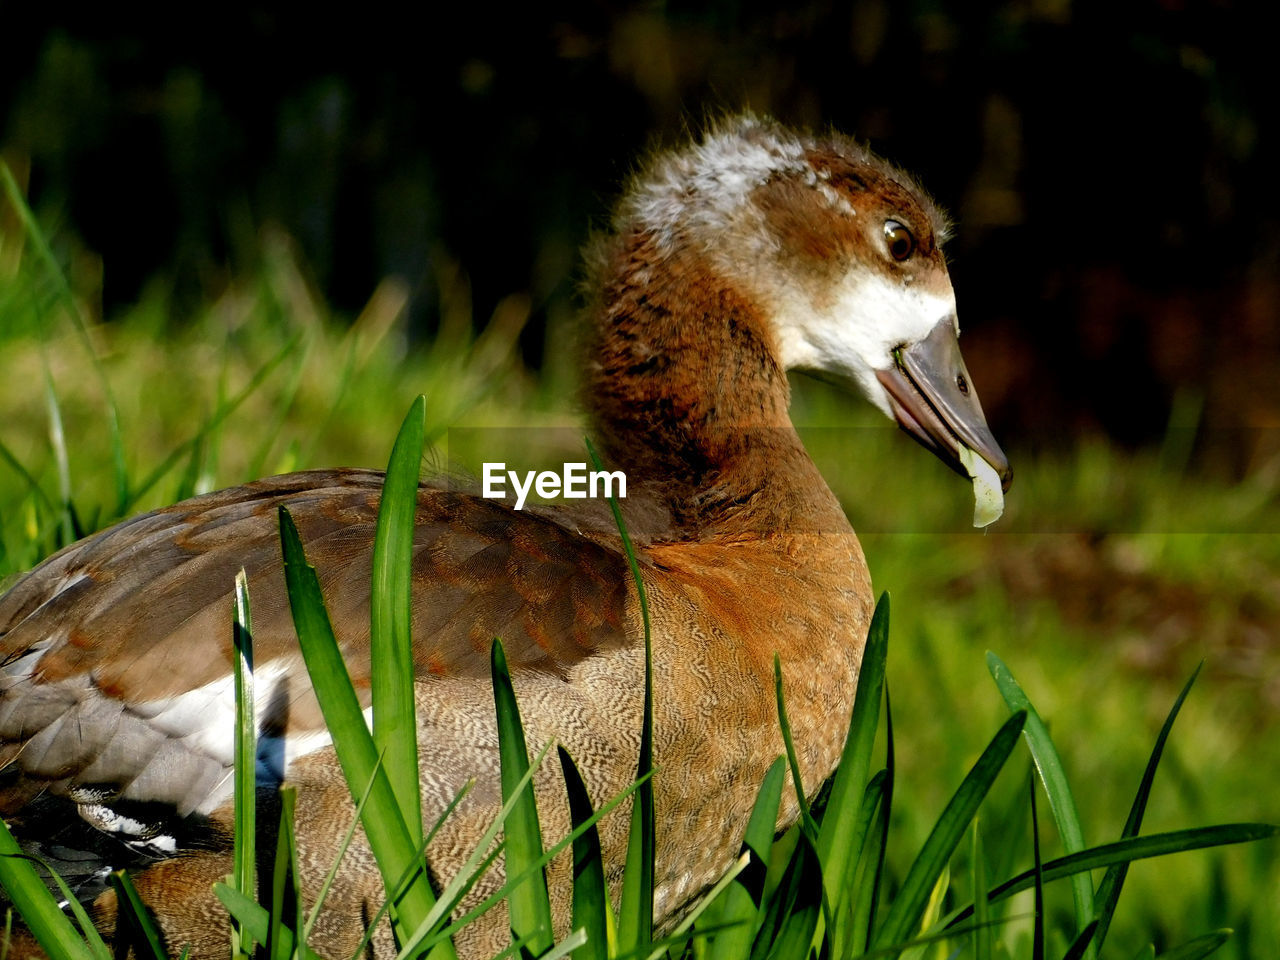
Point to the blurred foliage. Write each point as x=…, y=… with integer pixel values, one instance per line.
x=1109, y=166
x=263, y=379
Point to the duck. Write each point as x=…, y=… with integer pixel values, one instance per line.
x=747, y=252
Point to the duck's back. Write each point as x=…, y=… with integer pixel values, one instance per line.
x=116, y=653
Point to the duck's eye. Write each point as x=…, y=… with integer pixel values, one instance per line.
x=899, y=239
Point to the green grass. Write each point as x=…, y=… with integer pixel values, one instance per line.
x=1111, y=577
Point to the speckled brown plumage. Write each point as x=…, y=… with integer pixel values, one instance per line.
x=116, y=652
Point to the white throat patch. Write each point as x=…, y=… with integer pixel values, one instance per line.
x=868, y=319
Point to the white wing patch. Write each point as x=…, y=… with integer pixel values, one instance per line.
x=204, y=720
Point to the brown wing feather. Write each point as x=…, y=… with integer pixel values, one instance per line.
x=99, y=643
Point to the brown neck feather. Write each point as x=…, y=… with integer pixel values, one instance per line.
x=686, y=396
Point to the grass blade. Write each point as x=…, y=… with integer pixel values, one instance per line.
x=981, y=912
x=1037, y=930
x=58, y=443
x=931, y=912
x=838, y=849
x=897, y=950
x=570, y=944
x=395, y=733
x=867, y=888
x=590, y=894
x=51, y=927
x=244, y=854
x=32, y=484
x=384, y=827
x=1199, y=947
x=70, y=902
x=737, y=910
x=1061, y=802
x=855, y=920
x=912, y=899
x=1123, y=851
x=793, y=916
x=635, y=913
x=250, y=915
x=286, y=917
x=528, y=904
x=139, y=929
x=807, y=823
x=1081, y=943
x=1108, y=893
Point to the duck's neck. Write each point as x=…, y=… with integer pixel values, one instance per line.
x=687, y=397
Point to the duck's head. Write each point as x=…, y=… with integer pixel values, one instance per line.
x=831, y=257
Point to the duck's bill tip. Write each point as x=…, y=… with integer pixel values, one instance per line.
x=933, y=399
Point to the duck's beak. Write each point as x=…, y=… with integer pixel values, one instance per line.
x=934, y=400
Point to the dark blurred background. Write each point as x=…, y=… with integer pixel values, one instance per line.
x=1111, y=166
